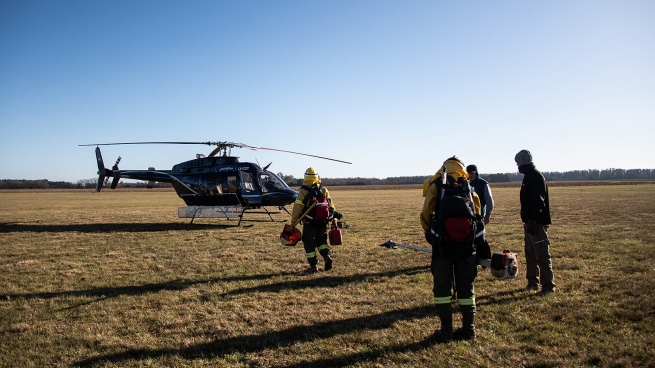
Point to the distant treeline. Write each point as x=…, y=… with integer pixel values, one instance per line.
x=81, y=184
x=576, y=175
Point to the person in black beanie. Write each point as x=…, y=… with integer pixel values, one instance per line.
x=535, y=214
x=483, y=190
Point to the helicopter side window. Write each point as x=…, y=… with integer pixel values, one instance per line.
x=267, y=183
x=270, y=182
x=246, y=180
x=214, y=186
x=231, y=184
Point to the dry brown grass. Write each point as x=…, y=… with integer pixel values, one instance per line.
x=116, y=279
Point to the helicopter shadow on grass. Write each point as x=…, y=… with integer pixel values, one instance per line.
x=112, y=227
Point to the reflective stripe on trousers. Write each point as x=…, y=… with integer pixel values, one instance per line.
x=466, y=301
x=442, y=299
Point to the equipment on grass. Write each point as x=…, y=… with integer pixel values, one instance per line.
x=390, y=244
x=504, y=265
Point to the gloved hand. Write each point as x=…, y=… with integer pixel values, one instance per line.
x=532, y=227
x=337, y=215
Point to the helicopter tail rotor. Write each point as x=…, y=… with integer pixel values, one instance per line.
x=117, y=176
x=101, y=170
x=104, y=174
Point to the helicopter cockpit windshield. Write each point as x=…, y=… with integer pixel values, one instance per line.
x=271, y=182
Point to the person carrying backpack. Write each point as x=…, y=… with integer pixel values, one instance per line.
x=452, y=223
x=315, y=223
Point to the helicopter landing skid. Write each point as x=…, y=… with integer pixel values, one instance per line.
x=226, y=212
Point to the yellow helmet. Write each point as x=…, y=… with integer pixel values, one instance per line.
x=454, y=167
x=311, y=174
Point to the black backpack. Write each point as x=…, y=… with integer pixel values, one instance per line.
x=454, y=227
x=321, y=212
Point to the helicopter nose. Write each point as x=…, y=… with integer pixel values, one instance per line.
x=279, y=198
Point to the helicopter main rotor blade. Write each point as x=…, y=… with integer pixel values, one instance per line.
x=220, y=146
x=113, y=144
x=298, y=153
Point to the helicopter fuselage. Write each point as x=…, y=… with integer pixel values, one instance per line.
x=218, y=181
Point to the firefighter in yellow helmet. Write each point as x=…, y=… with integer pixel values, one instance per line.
x=446, y=267
x=315, y=223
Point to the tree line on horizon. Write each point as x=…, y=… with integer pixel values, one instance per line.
x=575, y=175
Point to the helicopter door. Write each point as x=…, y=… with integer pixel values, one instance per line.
x=249, y=190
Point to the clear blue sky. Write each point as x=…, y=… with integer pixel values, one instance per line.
x=395, y=87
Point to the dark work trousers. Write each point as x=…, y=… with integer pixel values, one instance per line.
x=314, y=236
x=538, y=265
x=463, y=273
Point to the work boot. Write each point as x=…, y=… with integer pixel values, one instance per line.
x=467, y=331
x=445, y=333
x=545, y=292
x=313, y=265
x=311, y=270
x=328, y=262
x=532, y=287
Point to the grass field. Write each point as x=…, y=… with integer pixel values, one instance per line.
x=116, y=279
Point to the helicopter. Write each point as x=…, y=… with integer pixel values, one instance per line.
x=217, y=182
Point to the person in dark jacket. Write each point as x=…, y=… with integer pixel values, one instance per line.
x=535, y=214
x=483, y=190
